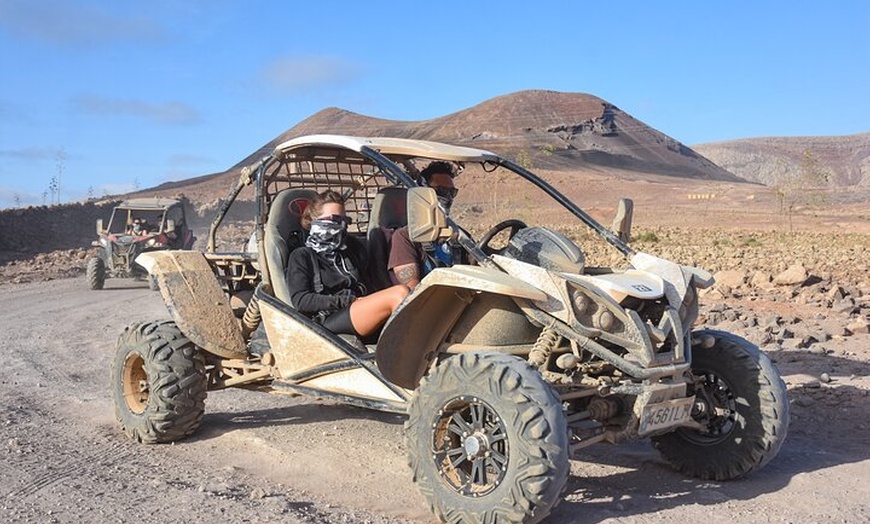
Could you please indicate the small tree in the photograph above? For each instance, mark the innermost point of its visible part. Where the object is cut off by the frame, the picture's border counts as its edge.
(60, 163)
(802, 186)
(524, 159)
(53, 189)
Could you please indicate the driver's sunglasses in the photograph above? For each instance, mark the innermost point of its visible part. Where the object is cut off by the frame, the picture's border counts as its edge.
(337, 219)
(446, 192)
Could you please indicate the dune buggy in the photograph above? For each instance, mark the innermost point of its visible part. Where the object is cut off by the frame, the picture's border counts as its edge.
(505, 366)
(137, 226)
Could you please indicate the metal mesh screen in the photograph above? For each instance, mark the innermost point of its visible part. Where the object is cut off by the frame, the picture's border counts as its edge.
(351, 175)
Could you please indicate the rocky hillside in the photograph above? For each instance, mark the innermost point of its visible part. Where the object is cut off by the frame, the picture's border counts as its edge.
(844, 159)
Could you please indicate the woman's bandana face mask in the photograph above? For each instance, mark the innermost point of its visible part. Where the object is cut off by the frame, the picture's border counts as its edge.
(327, 234)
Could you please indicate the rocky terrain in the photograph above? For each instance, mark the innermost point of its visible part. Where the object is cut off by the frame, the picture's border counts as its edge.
(803, 297)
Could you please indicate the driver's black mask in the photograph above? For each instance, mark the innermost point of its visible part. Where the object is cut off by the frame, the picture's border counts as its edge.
(446, 196)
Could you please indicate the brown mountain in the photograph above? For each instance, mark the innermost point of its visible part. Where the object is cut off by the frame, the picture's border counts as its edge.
(547, 129)
(845, 159)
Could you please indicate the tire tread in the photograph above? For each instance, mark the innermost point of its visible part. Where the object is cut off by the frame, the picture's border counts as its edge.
(541, 471)
(177, 383)
(766, 430)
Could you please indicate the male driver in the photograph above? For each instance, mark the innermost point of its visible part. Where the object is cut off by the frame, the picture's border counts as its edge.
(411, 261)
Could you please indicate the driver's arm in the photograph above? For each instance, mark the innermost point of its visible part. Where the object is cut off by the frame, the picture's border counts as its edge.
(408, 274)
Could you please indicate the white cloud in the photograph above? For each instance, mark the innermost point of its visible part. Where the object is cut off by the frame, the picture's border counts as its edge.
(307, 73)
(33, 153)
(73, 23)
(165, 113)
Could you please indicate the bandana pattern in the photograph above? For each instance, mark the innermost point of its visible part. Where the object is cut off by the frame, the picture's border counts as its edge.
(326, 237)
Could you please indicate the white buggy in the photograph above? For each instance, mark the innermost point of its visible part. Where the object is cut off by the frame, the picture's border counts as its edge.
(505, 366)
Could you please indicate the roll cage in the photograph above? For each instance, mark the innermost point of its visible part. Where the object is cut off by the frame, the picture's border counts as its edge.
(360, 167)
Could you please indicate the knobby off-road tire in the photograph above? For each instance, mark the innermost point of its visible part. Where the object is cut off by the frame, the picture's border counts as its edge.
(158, 383)
(152, 283)
(744, 387)
(487, 441)
(96, 273)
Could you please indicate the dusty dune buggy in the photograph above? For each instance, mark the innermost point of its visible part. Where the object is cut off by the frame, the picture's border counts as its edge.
(137, 226)
(505, 366)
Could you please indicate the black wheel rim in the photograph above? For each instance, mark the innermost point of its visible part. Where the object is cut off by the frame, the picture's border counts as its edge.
(715, 408)
(470, 446)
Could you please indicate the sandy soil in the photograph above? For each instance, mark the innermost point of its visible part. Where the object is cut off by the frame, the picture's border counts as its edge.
(272, 458)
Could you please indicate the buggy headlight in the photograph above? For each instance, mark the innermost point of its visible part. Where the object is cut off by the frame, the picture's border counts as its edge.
(153, 242)
(583, 305)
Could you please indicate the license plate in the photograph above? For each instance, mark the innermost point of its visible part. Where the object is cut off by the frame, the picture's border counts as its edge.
(666, 414)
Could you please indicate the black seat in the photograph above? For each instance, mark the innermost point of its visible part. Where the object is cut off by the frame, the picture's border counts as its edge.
(389, 212)
(284, 233)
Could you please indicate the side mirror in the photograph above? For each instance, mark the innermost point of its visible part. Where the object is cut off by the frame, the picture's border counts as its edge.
(426, 221)
(622, 222)
(99, 226)
(170, 225)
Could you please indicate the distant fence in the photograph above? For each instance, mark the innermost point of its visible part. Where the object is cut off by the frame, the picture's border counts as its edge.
(702, 196)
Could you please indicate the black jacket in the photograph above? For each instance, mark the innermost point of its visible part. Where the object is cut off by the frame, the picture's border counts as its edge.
(341, 279)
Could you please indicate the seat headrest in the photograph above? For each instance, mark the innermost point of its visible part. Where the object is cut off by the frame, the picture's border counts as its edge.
(283, 232)
(285, 214)
(390, 208)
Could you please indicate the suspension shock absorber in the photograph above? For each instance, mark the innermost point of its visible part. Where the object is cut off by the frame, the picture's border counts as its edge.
(252, 318)
(547, 341)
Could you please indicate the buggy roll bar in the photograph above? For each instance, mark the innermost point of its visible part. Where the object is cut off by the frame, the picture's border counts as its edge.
(396, 175)
(609, 236)
(245, 179)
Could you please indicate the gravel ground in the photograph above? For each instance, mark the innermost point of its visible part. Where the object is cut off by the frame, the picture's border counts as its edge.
(273, 458)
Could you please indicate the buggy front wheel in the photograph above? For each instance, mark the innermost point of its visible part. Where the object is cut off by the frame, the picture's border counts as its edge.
(96, 273)
(487, 440)
(741, 407)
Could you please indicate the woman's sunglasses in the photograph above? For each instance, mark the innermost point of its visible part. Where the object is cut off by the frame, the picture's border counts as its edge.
(337, 219)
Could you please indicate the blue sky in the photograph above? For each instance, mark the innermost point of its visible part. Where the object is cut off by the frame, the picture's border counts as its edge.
(115, 95)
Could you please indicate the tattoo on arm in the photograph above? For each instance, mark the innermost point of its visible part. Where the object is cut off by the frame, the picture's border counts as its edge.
(407, 273)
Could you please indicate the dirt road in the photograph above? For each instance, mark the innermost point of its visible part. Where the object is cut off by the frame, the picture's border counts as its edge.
(271, 458)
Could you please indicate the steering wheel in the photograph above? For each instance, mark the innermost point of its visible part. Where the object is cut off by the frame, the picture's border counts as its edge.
(513, 224)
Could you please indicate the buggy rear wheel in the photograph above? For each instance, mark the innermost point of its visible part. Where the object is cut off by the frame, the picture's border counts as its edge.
(487, 440)
(96, 273)
(158, 383)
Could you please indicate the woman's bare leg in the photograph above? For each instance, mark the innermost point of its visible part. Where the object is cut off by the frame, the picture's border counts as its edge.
(368, 313)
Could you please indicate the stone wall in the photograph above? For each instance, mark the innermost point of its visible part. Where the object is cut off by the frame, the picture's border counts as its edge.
(40, 229)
